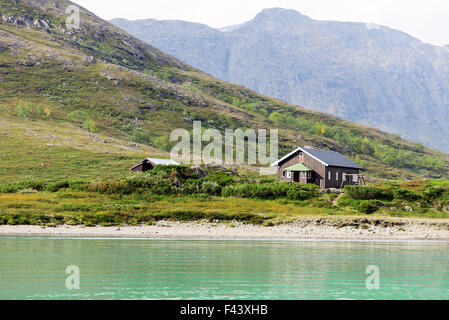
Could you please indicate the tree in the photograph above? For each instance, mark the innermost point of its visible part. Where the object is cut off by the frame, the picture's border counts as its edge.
(163, 143)
(90, 125)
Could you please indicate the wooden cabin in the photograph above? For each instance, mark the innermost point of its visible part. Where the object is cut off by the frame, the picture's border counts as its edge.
(326, 169)
(149, 164)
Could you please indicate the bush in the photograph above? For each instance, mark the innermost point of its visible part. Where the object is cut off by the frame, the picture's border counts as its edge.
(17, 186)
(163, 143)
(141, 137)
(368, 193)
(211, 188)
(111, 187)
(222, 178)
(404, 194)
(55, 187)
(367, 206)
(298, 194)
(434, 192)
(90, 125)
(190, 188)
(271, 190)
(78, 116)
(30, 110)
(267, 180)
(77, 185)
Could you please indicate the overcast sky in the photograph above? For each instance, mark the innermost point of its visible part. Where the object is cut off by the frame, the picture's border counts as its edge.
(427, 20)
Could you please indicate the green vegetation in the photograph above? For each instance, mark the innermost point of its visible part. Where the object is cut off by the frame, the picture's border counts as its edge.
(32, 111)
(272, 190)
(177, 193)
(425, 198)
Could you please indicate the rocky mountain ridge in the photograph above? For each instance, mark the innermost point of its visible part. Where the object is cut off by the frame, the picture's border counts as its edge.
(361, 72)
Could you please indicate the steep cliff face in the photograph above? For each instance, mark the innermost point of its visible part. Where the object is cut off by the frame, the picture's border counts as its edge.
(361, 72)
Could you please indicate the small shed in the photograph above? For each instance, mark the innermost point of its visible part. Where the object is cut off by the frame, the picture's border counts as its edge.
(149, 164)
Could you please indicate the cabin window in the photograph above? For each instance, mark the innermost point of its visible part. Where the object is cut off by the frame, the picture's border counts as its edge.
(289, 175)
(284, 173)
(329, 175)
(336, 175)
(344, 176)
(356, 178)
(309, 175)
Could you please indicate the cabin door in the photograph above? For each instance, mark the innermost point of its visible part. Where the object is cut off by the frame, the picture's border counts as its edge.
(296, 176)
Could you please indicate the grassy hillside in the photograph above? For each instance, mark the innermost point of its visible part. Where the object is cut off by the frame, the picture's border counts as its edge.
(64, 93)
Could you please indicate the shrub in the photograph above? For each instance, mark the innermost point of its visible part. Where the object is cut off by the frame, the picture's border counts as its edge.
(17, 186)
(367, 206)
(78, 116)
(222, 178)
(271, 190)
(405, 194)
(30, 110)
(433, 193)
(298, 194)
(56, 186)
(77, 185)
(163, 143)
(111, 187)
(90, 125)
(189, 188)
(141, 137)
(211, 188)
(368, 193)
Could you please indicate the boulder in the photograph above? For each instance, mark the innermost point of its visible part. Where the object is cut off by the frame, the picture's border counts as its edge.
(199, 171)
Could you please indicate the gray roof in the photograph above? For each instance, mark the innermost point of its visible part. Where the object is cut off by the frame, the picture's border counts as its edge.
(162, 162)
(156, 162)
(328, 158)
(331, 158)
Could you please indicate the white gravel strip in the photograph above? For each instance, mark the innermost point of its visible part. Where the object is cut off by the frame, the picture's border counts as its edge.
(320, 229)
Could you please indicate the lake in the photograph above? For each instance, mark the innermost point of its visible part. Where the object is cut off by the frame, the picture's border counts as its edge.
(35, 268)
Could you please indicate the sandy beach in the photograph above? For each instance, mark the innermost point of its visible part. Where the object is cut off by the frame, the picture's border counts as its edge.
(320, 228)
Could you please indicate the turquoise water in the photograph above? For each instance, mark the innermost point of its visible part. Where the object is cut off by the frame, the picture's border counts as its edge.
(34, 268)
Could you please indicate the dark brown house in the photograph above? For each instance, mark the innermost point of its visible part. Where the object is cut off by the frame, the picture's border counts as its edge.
(149, 164)
(327, 169)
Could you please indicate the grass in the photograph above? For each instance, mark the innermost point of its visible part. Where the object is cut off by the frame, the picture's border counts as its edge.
(84, 208)
(41, 151)
(145, 199)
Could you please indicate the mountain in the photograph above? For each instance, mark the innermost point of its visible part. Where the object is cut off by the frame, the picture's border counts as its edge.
(89, 102)
(361, 72)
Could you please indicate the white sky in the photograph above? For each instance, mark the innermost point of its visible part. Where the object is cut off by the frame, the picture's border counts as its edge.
(427, 20)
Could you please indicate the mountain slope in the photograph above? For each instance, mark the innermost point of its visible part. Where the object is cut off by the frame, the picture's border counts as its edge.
(361, 72)
(59, 88)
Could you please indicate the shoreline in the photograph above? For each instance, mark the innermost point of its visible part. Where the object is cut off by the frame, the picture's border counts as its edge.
(327, 229)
